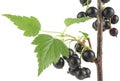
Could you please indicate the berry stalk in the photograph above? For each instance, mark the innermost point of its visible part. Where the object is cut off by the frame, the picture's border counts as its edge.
(99, 42)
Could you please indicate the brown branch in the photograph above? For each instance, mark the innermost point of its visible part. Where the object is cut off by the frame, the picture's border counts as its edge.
(99, 43)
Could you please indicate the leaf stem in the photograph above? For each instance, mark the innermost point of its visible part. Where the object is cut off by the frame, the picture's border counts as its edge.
(64, 30)
(63, 35)
(74, 38)
(51, 31)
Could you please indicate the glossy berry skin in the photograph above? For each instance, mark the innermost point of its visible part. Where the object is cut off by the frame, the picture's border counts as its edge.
(72, 71)
(106, 24)
(114, 19)
(113, 32)
(84, 2)
(94, 25)
(59, 64)
(80, 74)
(88, 56)
(88, 72)
(108, 12)
(71, 52)
(72, 56)
(81, 14)
(74, 62)
(78, 47)
(92, 12)
(75, 56)
(105, 1)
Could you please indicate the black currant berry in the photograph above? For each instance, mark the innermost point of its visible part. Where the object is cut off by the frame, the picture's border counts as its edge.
(108, 12)
(81, 14)
(72, 71)
(92, 12)
(105, 1)
(59, 64)
(71, 52)
(74, 62)
(65, 57)
(80, 74)
(75, 55)
(78, 47)
(94, 25)
(113, 32)
(106, 24)
(88, 72)
(88, 56)
(84, 2)
(114, 19)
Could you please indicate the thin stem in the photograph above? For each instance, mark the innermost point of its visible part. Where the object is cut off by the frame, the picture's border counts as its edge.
(64, 30)
(51, 31)
(82, 52)
(89, 42)
(110, 23)
(63, 35)
(74, 38)
(87, 5)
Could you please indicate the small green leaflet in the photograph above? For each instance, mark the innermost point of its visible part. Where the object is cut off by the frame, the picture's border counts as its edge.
(30, 26)
(84, 34)
(70, 21)
(48, 50)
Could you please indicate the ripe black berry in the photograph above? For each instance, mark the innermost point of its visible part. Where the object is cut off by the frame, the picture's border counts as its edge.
(74, 62)
(114, 19)
(88, 56)
(106, 24)
(59, 64)
(94, 25)
(80, 74)
(78, 47)
(92, 12)
(72, 71)
(113, 32)
(108, 12)
(105, 1)
(84, 2)
(88, 72)
(75, 55)
(71, 52)
(81, 14)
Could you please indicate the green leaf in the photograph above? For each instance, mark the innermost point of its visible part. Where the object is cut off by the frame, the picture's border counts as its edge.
(30, 26)
(48, 50)
(70, 21)
(84, 34)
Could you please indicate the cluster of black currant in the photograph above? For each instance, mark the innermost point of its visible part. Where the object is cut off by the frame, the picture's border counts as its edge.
(109, 16)
(74, 61)
(81, 50)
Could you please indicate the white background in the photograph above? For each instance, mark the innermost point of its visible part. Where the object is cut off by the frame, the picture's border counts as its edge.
(18, 61)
